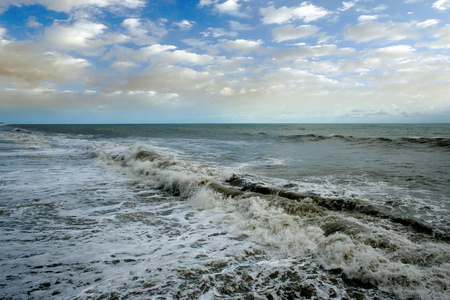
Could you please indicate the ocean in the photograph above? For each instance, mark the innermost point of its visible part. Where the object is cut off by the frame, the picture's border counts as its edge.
(225, 211)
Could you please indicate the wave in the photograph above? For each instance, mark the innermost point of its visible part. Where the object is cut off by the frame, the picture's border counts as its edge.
(401, 141)
(363, 242)
(340, 204)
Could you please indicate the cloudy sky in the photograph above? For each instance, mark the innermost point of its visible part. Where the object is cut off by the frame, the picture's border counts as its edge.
(197, 61)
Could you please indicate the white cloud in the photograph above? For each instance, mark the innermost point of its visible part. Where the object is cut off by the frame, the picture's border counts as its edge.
(396, 52)
(218, 32)
(242, 46)
(427, 23)
(289, 32)
(134, 27)
(156, 54)
(185, 24)
(372, 10)
(206, 2)
(2, 32)
(78, 36)
(235, 25)
(123, 66)
(227, 91)
(32, 23)
(156, 50)
(441, 4)
(305, 11)
(144, 31)
(347, 5)
(365, 18)
(389, 31)
(230, 7)
(442, 36)
(184, 57)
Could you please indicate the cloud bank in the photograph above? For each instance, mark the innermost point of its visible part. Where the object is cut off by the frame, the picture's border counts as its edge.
(224, 61)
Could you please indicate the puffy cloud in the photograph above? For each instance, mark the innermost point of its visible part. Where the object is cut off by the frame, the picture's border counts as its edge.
(156, 49)
(78, 36)
(305, 11)
(441, 4)
(388, 31)
(396, 52)
(2, 33)
(289, 32)
(25, 65)
(242, 46)
(185, 24)
(230, 7)
(347, 5)
(227, 91)
(218, 32)
(442, 36)
(32, 23)
(123, 66)
(144, 31)
(365, 18)
(185, 57)
(134, 26)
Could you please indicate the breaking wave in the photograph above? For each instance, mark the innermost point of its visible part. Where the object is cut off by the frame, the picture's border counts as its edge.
(351, 237)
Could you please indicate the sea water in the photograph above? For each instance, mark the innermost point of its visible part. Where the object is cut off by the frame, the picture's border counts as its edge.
(255, 211)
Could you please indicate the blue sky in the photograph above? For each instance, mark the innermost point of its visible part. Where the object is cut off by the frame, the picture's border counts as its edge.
(208, 61)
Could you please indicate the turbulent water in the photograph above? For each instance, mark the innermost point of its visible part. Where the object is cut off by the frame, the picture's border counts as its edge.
(225, 211)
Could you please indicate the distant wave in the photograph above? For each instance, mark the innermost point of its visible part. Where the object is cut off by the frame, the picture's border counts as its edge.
(402, 141)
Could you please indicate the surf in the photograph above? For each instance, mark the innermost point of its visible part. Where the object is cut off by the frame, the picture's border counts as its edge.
(397, 254)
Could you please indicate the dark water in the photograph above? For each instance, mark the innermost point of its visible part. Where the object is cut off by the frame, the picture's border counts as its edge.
(225, 211)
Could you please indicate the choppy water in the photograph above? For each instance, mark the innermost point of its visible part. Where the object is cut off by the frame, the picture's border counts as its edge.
(225, 211)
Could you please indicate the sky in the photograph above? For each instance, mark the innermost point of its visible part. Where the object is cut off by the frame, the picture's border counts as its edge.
(224, 61)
